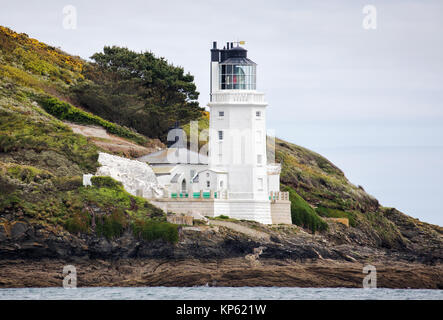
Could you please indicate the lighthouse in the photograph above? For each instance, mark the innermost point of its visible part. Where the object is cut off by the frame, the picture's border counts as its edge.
(237, 136)
(235, 178)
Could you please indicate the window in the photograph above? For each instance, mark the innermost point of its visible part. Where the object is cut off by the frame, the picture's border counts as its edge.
(259, 159)
(220, 135)
(221, 113)
(208, 184)
(234, 76)
(221, 184)
(258, 114)
(260, 184)
(207, 174)
(192, 173)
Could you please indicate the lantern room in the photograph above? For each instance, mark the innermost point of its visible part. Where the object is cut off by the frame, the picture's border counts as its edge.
(235, 70)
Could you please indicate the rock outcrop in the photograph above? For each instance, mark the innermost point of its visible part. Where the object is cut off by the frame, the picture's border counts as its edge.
(137, 177)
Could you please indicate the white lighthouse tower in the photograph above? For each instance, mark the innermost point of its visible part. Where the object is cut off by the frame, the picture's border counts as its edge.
(235, 179)
(237, 137)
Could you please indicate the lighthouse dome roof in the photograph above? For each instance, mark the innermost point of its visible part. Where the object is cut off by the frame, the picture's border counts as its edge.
(239, 61)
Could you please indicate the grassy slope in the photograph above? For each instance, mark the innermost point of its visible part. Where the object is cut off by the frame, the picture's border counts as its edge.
(42, 160)
(44, 74)
(326, 189)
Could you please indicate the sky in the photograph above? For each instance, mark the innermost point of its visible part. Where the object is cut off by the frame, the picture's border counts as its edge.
(370, 100)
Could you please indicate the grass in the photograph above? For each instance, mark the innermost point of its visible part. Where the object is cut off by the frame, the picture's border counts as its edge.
(20, 132)
(65, 111)
(26, 173)
(223, 218)
(303, 214)
(152, 230)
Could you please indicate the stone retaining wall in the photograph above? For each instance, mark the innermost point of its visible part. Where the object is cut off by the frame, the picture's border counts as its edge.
(281, 212)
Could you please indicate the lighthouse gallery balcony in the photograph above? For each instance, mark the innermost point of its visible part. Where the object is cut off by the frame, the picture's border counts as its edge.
(238, 97)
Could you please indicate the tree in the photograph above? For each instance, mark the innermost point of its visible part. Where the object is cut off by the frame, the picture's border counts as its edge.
(138, 90)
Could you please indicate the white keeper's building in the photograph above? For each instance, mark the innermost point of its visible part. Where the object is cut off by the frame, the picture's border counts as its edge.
(231, 176)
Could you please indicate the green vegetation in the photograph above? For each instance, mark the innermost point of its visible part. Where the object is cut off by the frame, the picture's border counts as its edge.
(137, 90)
(302, 214)
(318, 181)
(223, 218)
(65, 111)
(151, 230)
(21, 132)
(104, 208)
(42, 160)
(26, 173)
(29, 62)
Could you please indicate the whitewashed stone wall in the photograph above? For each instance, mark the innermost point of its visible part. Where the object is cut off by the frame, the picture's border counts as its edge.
(261, 211)
(137, 177)
(198, 208)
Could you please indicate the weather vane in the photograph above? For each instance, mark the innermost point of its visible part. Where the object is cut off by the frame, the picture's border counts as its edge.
(239, 42)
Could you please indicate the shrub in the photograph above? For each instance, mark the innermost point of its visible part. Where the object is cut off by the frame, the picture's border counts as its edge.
(111, 226)
(151, 230)
(27, 174)
(106, 182)
(80, 222)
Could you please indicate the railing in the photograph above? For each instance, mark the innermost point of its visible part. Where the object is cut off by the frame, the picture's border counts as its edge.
(278, 195)
(200, 195)
(238, 97)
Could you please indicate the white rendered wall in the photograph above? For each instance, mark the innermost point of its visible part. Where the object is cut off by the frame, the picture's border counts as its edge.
(256, 210)
(244, 138)
(274, 182)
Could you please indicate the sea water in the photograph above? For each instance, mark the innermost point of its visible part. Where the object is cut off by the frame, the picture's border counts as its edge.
(219, 293)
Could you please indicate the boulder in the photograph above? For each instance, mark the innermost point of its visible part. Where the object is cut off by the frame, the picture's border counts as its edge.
(18, 230)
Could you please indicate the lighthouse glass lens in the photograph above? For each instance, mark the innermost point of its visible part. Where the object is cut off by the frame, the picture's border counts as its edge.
(237, 77)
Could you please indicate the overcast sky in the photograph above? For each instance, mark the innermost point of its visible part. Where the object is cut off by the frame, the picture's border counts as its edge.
(329, 82)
